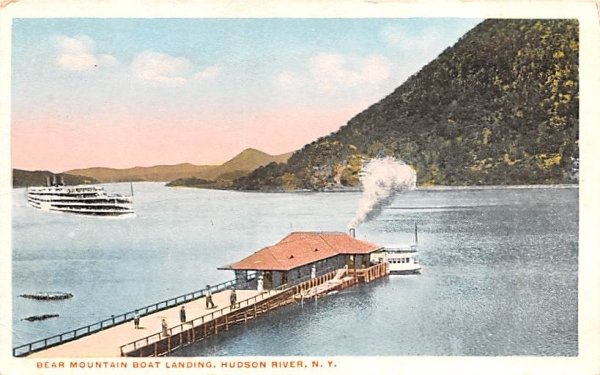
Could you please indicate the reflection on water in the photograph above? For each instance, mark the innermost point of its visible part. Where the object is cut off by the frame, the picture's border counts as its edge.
(499, 278)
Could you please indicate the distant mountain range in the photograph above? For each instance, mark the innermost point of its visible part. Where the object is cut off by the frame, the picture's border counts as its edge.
(499, 107)
(23, 178)
(184, 174)
(240, 165)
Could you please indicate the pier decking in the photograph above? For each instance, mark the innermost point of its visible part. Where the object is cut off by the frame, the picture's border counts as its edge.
(107, 343)
(149, 341)
(272, 277)
(198, 329)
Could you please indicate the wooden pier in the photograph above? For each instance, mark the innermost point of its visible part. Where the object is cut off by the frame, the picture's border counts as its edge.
(201, 328)
(149, 340)
(108, 342)
(301, 266)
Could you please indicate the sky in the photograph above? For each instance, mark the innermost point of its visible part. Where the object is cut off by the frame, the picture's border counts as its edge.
(89, 92)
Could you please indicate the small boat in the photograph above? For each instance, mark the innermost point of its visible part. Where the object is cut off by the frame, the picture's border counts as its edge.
(87, 200)
(402, 260)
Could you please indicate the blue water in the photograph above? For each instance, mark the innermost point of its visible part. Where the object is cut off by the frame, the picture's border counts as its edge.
(499, 278)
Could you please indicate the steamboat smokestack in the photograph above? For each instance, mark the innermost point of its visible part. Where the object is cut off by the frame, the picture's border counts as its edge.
(352, 232)
(416, 235)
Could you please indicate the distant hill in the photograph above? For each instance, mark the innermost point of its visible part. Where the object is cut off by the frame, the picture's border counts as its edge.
(243, 163)
(498, 107)
(22, 178)
(223, 176)
(155, 173)
(249, 160)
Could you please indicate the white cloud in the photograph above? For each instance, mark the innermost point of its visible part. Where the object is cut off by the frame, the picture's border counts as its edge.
(333, 71)
(77, 54)
(211, 72)
(159, 68)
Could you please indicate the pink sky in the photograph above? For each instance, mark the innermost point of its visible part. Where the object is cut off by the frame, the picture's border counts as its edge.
(110, 93)
(60, 146)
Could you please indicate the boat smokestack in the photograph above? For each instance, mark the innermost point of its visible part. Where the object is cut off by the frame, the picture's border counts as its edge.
(352, 232)
(416, 235)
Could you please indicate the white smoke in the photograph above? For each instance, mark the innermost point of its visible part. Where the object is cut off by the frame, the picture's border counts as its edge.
(381, 180)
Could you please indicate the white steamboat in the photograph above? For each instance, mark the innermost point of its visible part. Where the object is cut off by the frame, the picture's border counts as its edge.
(89, 200)
(402, 259)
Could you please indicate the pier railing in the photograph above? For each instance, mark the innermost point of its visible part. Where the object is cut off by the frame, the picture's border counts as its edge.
(26, 349)
(192, 324)
(158, 344)
(183, 334)
(370, 273)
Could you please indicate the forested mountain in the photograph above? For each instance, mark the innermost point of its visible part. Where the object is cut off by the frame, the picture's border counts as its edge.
(22, 178)
(498, 107)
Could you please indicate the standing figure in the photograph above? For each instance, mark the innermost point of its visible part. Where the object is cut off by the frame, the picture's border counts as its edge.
(209, 300)
(260, 284)
(313, 272)
(136, 320)
(182, 314)
(165, 327)
(233, 299)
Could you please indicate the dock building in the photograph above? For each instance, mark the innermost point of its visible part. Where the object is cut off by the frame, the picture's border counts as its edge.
(300, 256)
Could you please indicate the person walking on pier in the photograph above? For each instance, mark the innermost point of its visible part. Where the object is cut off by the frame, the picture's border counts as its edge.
(165, 328)
(136, 320)
(209, 300)
(182, 314)
(233, 299)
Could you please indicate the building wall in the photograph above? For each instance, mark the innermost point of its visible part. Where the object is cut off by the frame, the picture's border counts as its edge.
(323, 266)
(274, 279)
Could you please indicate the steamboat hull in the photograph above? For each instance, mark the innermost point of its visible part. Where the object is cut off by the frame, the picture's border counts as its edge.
(80, 200)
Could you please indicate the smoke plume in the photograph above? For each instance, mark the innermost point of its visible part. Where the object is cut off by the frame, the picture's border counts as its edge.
(381, 180)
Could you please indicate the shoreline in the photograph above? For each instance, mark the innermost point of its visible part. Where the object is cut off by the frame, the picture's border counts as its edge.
(358, 189)
(497, 187)
(426, 188)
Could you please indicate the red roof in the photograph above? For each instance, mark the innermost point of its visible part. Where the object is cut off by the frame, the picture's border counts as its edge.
(301, 248)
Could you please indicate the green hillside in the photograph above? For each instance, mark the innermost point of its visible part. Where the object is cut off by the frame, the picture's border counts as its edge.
(498, 107)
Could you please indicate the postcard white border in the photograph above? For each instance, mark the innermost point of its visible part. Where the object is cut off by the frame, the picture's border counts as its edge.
(588, 360)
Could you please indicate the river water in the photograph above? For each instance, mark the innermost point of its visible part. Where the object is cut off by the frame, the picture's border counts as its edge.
(499, 269)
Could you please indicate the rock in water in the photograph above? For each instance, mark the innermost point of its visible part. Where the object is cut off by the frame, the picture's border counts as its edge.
(34, 318)
(48, 296)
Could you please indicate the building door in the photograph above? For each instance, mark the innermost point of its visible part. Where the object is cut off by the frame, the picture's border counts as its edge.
(268, 280)
(350, 261)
